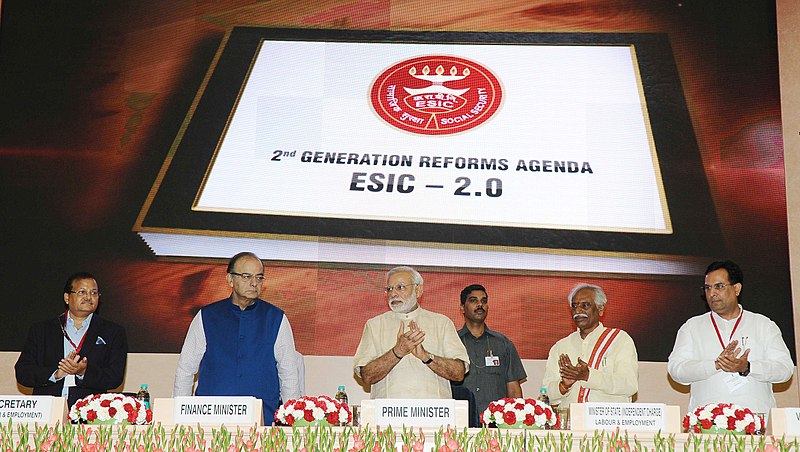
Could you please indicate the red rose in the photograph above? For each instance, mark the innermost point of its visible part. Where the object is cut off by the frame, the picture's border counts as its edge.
(308, 415)
(686, 422)
(519, 406)
(750, 428)
(112, 411)
(706, 423)
(91, 415)
(509, 417)
(538, 409)
(300, 405)
(529, 420)
(105, 403)
(149, 417)
(731, 423)
(333, 418)
(289, 419)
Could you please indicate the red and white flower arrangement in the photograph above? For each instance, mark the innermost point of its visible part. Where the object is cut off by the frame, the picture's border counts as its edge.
(310, 409)
(723, 416)
(110, 409)
(520, 413)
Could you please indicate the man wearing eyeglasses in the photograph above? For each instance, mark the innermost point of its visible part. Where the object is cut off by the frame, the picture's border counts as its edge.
(409, 352)
(242, 345)
(595, 363)
(729, 355)
(78, 353)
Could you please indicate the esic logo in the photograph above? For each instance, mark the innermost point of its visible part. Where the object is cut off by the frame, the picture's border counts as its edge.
(436, 95)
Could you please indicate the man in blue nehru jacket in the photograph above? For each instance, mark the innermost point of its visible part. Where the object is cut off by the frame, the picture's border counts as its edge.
(240, 346)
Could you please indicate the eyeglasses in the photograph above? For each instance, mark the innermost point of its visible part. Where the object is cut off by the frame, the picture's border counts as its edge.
(717, 286)
(248, 277)
(398, 288)
(84, 292)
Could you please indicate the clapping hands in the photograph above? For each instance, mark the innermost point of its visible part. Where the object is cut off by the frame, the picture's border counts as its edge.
(729, 361)
(73, 364)
(410, 341)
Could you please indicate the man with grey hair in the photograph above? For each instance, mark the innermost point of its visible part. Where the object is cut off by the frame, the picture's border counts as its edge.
(241, 345)
(409, 352)
(595, 363)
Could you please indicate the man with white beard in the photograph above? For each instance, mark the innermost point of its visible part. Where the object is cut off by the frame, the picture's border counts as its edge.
(594, 363)
(409, 352)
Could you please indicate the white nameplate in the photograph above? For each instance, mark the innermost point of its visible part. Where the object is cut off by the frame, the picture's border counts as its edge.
(648, 417)
(25, 409)
(415, 412)
(215, 410)
(792, 421)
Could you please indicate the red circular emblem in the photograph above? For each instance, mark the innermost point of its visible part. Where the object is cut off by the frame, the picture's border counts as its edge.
(436, 95)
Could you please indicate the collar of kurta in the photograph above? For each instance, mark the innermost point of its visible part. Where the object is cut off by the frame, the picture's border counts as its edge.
(594, 334)
(407, 317)
(720, 319)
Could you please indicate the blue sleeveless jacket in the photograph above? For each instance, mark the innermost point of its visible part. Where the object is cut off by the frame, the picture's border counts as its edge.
(240, 353)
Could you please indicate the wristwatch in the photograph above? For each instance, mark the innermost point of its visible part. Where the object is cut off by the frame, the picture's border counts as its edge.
(430, 359)
(746, 372)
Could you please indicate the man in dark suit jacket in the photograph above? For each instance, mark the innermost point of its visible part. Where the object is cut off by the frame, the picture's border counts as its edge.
(78, 353)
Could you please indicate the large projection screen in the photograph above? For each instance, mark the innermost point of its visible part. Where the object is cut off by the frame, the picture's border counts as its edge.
(551, 151)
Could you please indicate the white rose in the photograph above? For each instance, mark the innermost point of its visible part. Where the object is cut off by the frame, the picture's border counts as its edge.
(721, 422)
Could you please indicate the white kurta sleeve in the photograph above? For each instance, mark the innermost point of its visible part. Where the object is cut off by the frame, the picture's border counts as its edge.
(286, 357)
(194, 347)
(683, 365)
(776, 365)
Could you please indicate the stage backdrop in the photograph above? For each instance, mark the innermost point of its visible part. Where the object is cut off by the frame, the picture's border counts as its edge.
(621, 143)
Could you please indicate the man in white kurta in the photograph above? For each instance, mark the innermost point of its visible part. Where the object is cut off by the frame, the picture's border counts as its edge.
(595, 363)
(729, 355)
(409, 352)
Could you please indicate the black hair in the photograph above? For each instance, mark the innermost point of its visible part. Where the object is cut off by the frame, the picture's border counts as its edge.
(735, 275)
(470, 288)
(77, 277)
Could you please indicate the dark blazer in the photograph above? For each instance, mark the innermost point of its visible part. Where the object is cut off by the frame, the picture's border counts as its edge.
(44, 348)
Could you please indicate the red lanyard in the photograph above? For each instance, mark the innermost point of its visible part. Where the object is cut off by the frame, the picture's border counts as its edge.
(719, 336)
(66, 336)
